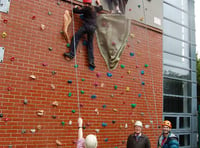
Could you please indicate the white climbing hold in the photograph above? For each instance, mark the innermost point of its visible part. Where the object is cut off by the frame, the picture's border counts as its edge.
(126, 125)
(42, 26)
(97, 130)
(53, 87)
(39, 127)
(33, 77)
(97, 111)
(151, 121)
(40, 112)
(58, 143)
(70, 122)
(147, 126)
(55, 103)
(33, 130)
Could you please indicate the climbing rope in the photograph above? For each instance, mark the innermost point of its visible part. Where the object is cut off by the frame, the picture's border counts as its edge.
(76, 68)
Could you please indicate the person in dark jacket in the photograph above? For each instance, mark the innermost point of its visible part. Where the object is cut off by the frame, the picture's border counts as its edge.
(89, 26)
(137, 139)
(167, 139)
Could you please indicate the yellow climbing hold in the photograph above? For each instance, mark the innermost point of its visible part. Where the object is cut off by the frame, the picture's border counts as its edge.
(4, 35)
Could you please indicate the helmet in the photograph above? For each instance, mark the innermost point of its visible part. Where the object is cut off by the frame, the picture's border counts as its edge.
(167, 123)
(138, 123)
(87, 1)
(91, 141)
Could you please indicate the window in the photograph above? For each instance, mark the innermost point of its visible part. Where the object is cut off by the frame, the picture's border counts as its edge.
(177, 87)
(177, 104)
(182, 4)
(184, 140)
(172, 120)
(176, 61)
(176, 72)
(184, 122)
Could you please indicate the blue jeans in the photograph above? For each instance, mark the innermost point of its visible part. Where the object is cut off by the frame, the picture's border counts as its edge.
(85, 29)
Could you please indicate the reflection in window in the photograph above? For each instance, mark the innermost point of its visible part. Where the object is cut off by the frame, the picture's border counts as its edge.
(182, 4)
(184, 122)
(175, 30)
(184, 140)
(177, 87)
(177, 105)
(176, 72)
(172, 120)
(176, 61)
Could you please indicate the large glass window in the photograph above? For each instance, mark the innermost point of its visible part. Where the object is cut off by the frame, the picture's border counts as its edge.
(176, 72)
(182, 4)
(173, 120)
(175, 46)
(184, 140)
(184, 122)
(177, 87)
(176, 61)
(175, 30)
(177, 105)
(180, 17)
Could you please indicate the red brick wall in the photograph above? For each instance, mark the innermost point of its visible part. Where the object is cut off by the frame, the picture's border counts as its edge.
(29, 47)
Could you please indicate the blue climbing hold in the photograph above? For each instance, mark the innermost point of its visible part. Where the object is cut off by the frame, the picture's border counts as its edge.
(142, 72)
(93, 96)
(109, 74)
(131, 53)
(142, 83)
(104, 124)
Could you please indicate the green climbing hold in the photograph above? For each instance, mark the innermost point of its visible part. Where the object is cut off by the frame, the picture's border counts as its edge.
(69, 81)
(63, 123)
(70, 94)
(116, 147)
(82, 79)
(73, 111)
(50, 48)
(139, 95)
(104, 106)
(143, 83)
(131, 54)
(49, 13)
(58, 3)
(25, 101)
(68, 45)
(1, 115)
(23, 131)
(53, 72)
(61, 32)
(113, 121)
(76, 66)
(139, 6)
(133, 105)
(84, 127)
(82, 92)
(146, 65)
(122, 66)
(106, 139)
(115, 86)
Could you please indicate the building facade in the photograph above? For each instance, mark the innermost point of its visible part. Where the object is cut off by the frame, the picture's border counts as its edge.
(179, 70)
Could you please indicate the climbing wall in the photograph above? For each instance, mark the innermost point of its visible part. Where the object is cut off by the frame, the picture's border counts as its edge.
(39, 89)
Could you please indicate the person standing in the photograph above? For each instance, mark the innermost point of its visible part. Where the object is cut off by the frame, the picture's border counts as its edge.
(89, 26)
(167, 139)
(138, 139)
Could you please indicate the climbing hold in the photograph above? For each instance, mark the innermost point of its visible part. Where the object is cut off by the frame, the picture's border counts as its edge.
(84, 127)
(50, 48)
(146, 65)
(132, 35)
(132, 121)
(44, 64)
(9, 88)
(142, 72)
(32, 77)
(1, 115)
(139, 95)
(133, 105)
(138, 41)
(112, 95)
(129, 9)
(53, 72)
(113, 43)
(143, 83)
(12, 58)
(25, 101)
(139, 6)
(33, 130)
(68, 45)
(49, 13)
(70, 94)
(82, 92)
(129, 72)
(115, 87)
(4, 35)
(63, 123)
(23, 131)
(115, 110)
(106, 139)
(142, 114)
(123, 141)
(58, 143)
(33, 17)
(54, 116)
(95, 84)
(53, 86)
(141, 19)
(40, 112)
(97, 111)
(58, 3)
(69, 81)
(81, 16)
(73, 111)
(102, 84)
(131, 53)
(127, 88)
(82, 79)
(55, 103)
(104, 124)
(5, 21)
(151, 121)
(98, 75)
(39, 127)
(137, 66)
(147, 126)
(70, 122)
(93, 96)
(121, 126)
(122, 66)
(126, 125)
(42, 27)
(76, 66)
(104, 106)
(97, 130)
(113, 121)
(85, 43)
(109, 74)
